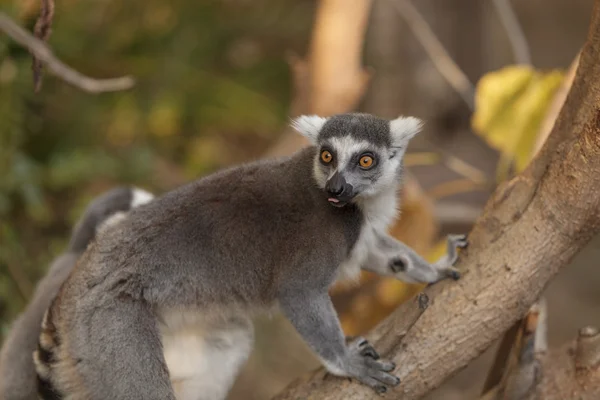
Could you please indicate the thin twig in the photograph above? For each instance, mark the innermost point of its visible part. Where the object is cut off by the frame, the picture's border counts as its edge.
(422, 158)
(498, 368)
(42, 30)
(513, 29)
(453, 163)
(436, 51)
(465, 169)
(451, 213)
(57, 67)
(452, 188)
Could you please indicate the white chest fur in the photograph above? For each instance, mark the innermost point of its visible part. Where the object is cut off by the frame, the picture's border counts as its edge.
(203, 353)
(378, 212)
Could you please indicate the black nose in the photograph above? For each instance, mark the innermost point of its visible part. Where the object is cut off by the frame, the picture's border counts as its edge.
(335, 185)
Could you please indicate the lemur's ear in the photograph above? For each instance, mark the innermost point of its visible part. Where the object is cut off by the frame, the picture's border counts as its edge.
(309, 126)
(403, 129)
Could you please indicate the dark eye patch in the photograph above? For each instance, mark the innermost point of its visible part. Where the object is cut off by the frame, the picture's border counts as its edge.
(354, 160)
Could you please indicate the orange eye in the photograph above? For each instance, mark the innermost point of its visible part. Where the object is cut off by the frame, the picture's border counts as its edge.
(326, 157)
(366, 161)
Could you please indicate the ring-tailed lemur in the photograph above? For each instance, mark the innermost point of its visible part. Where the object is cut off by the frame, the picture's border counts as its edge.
(160, 305)
(17, 371)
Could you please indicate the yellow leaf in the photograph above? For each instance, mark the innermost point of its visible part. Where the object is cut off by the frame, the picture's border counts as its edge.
(509, 106)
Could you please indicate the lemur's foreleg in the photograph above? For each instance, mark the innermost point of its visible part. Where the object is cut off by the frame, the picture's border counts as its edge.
(391, 257)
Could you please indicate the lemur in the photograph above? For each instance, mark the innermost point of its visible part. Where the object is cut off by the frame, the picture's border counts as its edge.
(160, 305)
(17, 371)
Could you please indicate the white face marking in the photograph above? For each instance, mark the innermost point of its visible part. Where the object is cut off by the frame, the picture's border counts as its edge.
(140, 197)
(344, 147)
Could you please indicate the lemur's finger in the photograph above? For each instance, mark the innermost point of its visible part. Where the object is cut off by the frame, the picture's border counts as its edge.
(459, 240)
(384, 377)
(463, 244)
(382, 365)
(374, 384)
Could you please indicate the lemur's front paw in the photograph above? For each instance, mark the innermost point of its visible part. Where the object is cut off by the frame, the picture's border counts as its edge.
(455, 242)
(365, 365)
(446, 268)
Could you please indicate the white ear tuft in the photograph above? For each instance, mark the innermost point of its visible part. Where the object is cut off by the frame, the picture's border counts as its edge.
(309, 125)
(403, 129)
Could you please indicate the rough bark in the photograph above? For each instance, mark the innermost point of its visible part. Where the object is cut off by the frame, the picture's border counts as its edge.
(530, 228)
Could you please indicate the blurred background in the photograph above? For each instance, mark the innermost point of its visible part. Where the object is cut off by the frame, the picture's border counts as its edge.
(216, 83)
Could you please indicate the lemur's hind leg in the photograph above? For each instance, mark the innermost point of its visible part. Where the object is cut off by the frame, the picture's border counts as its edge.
(114, 354)
(204, 360)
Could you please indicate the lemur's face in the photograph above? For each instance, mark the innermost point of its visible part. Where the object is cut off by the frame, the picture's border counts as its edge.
(358, 155)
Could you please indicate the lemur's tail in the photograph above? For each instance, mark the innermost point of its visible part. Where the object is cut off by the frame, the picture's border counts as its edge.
(103, 210)
(108, 205)
(45, 357)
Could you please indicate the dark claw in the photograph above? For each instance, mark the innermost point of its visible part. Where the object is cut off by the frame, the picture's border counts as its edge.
(363, 342)
(397, 381)
(397, 265)
(380, 389)
(454, 274)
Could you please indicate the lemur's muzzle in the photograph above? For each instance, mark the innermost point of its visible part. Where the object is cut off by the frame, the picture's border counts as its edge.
(340, 192)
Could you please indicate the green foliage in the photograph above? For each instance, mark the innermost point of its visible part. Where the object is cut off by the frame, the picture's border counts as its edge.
(212, 88)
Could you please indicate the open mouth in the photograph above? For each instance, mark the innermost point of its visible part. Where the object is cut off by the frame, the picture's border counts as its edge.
(336, 202)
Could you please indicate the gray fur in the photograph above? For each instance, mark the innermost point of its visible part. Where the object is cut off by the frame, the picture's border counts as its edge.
(179, 278)
(17, 371)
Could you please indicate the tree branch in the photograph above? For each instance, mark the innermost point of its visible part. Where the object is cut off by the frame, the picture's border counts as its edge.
(513, 29)
(531, 227)
(570, 372)
(42, 30)
(436, 51)
(57, 67)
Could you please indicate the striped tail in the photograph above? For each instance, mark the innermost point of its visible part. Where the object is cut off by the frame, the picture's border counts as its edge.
(45, 357)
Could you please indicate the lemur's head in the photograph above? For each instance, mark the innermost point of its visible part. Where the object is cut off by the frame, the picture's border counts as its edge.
(358, 155)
